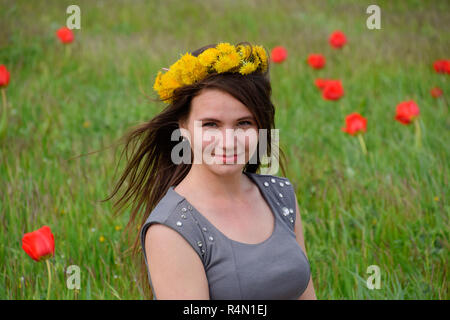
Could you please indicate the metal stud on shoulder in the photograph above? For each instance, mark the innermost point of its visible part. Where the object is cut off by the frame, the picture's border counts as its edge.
(273, 180)
(266, 183)
(179, 223)
(285, 211)
(281, 184)
(183, 209)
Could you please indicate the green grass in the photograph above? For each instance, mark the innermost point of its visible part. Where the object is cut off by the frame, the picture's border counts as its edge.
(388, 209)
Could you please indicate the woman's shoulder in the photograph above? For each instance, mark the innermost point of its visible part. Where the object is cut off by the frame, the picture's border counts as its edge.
(268, 179)
(164, 207)
(175, 212)
(281, 191)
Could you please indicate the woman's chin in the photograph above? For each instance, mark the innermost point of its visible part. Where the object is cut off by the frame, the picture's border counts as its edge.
(226, 168)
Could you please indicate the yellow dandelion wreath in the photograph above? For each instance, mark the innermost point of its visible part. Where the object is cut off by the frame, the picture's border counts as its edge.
(225, 57)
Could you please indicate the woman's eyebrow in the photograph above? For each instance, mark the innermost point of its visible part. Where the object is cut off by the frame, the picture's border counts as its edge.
(217, 120)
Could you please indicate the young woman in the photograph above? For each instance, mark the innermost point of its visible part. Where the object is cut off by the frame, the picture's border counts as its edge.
(212, 227)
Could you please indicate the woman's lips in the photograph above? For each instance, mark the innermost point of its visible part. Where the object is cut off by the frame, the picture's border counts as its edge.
(225, 158)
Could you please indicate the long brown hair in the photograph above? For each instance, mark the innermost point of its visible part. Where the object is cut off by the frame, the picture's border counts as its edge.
(149, 171)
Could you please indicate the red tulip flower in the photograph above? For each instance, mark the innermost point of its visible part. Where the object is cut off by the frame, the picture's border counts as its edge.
(4, 76)
(316, 61)
(442, 66)
(407, 112)
(356, 125)
(337, 39)
(279, 54)
(40, 245)
(333, 90)
(65, 35)
(436, 92)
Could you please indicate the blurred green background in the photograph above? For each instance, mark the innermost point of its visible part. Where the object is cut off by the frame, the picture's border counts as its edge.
(389, 208)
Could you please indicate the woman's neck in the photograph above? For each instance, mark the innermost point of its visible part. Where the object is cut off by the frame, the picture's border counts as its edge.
(205, 183)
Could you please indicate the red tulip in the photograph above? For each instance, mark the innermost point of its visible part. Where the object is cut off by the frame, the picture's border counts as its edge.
(337, 39)
(333, 90)
(65, 35)
(355, 123)
(4, 76)
(407, 111)
(442, 66)
(436, 92)
(316, 61)
(321, 83)
(39, 244)
(279, 54)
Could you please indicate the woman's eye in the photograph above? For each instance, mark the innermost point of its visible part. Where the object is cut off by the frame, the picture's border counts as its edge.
(246, 123)
(208, 124)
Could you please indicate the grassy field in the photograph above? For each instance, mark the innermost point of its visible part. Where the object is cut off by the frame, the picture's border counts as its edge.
(389, 208)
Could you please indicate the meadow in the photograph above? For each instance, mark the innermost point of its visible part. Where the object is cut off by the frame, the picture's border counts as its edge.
(68, 106)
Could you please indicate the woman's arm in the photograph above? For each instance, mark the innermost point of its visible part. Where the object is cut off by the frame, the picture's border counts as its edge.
(176, 271)
(309, 293)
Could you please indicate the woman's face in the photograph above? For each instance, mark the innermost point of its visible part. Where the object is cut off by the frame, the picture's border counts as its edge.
(222, 131)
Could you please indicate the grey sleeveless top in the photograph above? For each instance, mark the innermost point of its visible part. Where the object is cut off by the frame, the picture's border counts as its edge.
(275, 269)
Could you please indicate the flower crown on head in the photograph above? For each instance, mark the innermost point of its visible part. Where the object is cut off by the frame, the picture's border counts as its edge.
(223, 58)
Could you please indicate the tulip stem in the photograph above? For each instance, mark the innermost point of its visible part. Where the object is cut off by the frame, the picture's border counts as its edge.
(418, 133)
(4, 99)
(362, 143)
(49, 278)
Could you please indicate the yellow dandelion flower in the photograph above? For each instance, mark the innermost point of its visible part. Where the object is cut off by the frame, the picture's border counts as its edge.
(101, 239)
(227, 62)
(263, 57)
(86, 124)
(208, 57)
(169, 83)
(247, 68)
(256, 60)
(118, 228)
(225, 48)
(244, 51)
(436, 199)
(191, 69)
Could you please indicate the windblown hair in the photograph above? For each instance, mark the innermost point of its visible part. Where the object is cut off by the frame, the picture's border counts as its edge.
(149, 170)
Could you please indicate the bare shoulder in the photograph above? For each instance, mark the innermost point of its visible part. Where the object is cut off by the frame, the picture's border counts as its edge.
(175, 268)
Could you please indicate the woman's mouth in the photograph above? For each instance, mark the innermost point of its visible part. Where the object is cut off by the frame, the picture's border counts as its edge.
(225, 158)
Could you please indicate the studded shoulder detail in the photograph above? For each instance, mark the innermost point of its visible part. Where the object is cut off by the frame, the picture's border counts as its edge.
(282, 191)
(181, 219)
(185, 222)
